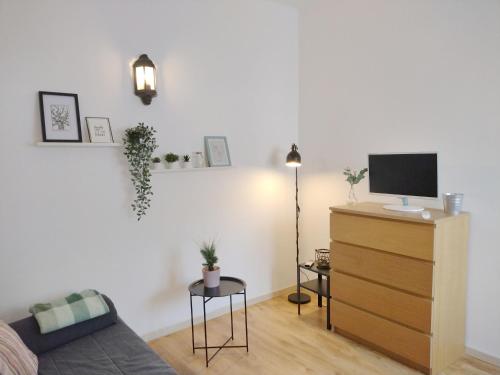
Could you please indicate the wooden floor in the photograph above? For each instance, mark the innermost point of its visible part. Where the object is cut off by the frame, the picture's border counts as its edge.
(282, 343)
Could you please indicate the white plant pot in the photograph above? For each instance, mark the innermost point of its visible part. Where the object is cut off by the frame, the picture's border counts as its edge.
(211, 279)
(187, 165)
(157, 166)
(174, 165)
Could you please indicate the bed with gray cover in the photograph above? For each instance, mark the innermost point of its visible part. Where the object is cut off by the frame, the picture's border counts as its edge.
(101, 346)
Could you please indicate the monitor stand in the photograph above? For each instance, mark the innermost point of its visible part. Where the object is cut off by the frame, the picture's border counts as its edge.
(404, 207)
(401, 208)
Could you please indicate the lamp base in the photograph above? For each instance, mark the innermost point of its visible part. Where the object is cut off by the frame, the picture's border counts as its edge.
(294, 298)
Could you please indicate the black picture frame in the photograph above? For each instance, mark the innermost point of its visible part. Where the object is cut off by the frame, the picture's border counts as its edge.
(45, 136)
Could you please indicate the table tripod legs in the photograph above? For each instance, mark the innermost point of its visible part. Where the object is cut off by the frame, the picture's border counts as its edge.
(231, 307)
(192, 322)
(246, 320)
(220, 347)
(205, 326)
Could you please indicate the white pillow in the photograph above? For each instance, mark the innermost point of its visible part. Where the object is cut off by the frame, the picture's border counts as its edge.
(15, 357)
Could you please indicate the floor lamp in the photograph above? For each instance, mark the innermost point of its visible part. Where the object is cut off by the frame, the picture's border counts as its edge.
(293, 160)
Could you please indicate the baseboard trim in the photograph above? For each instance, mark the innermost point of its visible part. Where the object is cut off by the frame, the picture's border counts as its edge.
(214, 314)
(492, 360)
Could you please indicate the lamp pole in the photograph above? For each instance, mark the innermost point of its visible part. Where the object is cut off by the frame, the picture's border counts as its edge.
(297, 213)
(294, 160)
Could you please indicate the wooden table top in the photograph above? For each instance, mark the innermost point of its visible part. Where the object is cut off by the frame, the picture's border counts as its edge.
(377, 210)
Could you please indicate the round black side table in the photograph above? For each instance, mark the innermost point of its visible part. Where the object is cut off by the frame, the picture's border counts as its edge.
(229, 286)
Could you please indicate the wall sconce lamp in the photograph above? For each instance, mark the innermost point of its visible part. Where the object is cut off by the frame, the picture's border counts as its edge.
(145, 79)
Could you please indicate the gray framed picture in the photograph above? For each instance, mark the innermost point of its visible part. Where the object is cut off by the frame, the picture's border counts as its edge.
(217, 151)
(99, 129)
(60, 117)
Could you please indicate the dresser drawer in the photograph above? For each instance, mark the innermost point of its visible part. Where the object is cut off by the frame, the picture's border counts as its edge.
(405, 342)
(406, 238)
(401, 307)
(403, 273)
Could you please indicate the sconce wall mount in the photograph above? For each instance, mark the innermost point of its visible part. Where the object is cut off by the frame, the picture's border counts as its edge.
(145, 79)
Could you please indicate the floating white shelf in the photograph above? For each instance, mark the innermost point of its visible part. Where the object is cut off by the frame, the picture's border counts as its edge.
(77, 144)
(165, 170)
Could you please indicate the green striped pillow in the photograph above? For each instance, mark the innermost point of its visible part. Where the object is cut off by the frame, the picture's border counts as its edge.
(64, 312)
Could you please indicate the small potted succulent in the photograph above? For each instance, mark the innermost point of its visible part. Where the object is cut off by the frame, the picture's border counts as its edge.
(172, 160)
(211, 272)
(156, 163)
(186, 162)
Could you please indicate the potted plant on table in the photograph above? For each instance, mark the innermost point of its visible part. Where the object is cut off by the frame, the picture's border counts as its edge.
(186, 162)
(156, 163)
(211, 272)
(172, 160)
(354, 178)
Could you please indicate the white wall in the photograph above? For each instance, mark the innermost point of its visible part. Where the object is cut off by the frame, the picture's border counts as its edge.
(225, 67)
(390, 76)
(376, 76)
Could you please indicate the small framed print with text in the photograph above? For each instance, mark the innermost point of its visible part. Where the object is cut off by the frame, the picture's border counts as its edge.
(217, 151)
(99, 129)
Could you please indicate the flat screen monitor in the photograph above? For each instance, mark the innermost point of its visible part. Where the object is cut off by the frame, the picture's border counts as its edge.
(404, 174)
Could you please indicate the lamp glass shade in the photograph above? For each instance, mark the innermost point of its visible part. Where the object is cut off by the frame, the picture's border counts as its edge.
(293, 159)
(145, 78)
(140, 82)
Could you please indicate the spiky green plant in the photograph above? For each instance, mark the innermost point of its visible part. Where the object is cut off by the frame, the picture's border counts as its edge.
(353, 177)
(208, 253)
(186, 158)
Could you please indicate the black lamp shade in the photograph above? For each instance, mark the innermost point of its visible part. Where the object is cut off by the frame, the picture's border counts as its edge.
(145, 79)
(293, 158)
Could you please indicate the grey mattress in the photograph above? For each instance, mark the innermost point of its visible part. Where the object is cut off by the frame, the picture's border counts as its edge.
(113, 350)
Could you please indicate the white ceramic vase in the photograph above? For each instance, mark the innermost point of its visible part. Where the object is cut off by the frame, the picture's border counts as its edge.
(157, 166)
(187, 165)
(211, 279)
(198, 160)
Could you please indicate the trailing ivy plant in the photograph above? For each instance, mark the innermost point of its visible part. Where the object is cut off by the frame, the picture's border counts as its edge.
(140, 143)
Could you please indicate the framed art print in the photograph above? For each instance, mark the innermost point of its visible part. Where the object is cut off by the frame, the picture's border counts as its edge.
(217, 151)
(60, 117)
(99, 129)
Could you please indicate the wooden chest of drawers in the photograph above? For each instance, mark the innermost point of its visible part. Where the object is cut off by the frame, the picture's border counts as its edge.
(398, 282)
